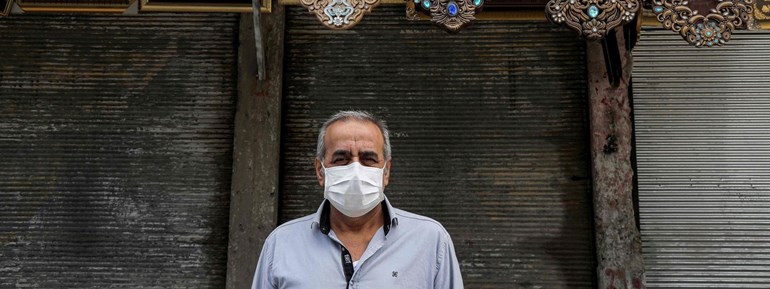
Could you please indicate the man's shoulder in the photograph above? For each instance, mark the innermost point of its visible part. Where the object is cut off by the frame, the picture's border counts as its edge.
(419, 222)
(293, 227)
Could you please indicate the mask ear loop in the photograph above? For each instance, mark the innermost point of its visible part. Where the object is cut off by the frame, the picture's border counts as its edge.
(383, 169)
(323, 171)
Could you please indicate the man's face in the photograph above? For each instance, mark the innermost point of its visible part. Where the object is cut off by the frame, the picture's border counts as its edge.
(349, 141)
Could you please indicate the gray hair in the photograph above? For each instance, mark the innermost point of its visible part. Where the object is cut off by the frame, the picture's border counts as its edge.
(357, 115)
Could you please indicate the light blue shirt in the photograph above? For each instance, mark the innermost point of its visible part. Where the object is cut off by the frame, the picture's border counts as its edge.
(416, 252)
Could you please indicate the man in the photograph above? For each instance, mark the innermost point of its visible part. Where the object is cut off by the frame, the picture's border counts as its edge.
(356, 239)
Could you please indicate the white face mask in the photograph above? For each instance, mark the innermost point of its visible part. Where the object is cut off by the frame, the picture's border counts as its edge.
(354, 189)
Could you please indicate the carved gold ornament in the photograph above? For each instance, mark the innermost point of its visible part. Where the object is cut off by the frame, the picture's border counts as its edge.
(451, 15)
(593, 19)
(713, 29)
(762, 10)
(340, 14)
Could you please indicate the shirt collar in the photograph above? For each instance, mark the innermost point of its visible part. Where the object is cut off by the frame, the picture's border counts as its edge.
(321, 218)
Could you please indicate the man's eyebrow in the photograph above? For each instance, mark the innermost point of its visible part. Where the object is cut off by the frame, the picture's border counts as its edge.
(341, 153)
(371, 154)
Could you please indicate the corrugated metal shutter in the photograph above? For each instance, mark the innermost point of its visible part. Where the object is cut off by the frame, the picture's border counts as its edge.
(115, 150)
(703, 146)
(489, 135)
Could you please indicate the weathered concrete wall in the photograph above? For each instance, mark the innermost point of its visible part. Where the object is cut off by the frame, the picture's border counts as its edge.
(618, 244)
(253, 203)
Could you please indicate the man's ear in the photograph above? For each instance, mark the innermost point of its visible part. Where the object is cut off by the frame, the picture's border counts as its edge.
(386, 174)
(319, 173)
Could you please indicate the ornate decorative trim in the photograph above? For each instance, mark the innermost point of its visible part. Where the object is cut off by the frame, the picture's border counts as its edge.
(761, 10)
(592, 19)
(5, 7)
(339, 14)
(228, 6)
(451, 15)
(411, 12)
(710, 30)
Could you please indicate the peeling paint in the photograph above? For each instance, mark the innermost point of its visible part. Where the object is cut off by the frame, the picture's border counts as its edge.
(618, 243)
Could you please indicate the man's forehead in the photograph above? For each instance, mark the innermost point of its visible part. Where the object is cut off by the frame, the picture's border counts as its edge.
(356, 135)
(365, 151)
(354, 129)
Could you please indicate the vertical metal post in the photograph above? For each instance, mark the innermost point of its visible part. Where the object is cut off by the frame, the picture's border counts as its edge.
(258, 40)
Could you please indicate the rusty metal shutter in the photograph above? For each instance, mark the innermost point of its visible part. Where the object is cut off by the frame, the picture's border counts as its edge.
(488, 132)
(115, 150)
(703, 146)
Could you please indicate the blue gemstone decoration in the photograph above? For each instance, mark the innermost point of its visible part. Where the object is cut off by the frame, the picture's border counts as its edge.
(452, 8)
(426, 4)
(416, 1)
(709, 33)
(658, 9)
(478, 2)
(710, 43)
(593, 11)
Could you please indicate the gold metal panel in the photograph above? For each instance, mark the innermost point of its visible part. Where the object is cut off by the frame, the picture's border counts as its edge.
(213, 6)
(100, 6)
(513, 15)
(5, 7)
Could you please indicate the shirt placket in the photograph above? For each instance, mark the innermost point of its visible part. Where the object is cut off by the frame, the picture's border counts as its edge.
(377, 242)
